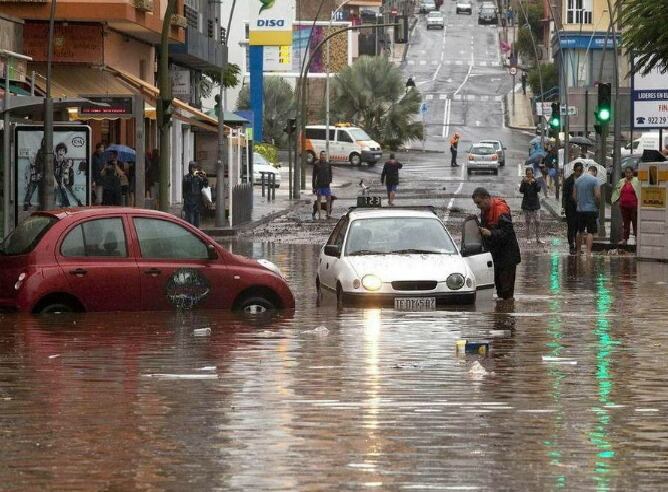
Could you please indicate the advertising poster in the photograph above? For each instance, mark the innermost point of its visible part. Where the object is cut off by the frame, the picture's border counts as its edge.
(650, 99)
(338, 48)
(71, 167)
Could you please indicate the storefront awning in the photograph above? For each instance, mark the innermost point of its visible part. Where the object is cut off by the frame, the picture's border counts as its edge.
(77, 81)
(185, 112)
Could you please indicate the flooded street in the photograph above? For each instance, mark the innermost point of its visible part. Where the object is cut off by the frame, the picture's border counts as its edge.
(571, 395)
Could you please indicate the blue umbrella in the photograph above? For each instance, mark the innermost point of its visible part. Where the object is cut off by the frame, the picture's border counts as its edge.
(536, 157)
(125, 153)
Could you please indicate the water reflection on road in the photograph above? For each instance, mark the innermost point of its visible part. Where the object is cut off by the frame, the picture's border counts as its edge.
(571, 396)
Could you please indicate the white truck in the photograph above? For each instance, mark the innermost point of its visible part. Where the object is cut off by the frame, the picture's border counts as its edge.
(647, 140)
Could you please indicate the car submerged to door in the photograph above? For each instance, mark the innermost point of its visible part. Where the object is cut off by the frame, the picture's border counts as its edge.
(401, 257)
(122, 259)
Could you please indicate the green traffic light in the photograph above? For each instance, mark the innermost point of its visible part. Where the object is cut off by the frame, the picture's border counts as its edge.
(603, 114)
(555, 123)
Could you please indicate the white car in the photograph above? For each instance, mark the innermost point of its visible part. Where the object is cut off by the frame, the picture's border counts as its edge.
(260, 166)
(500, 150)
(435, 19)
(464, 6)
(402, 257)
(427, 6)
(482, 157)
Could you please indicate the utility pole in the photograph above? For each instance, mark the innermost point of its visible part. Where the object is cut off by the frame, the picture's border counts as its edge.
(47, 198)
(164, 107)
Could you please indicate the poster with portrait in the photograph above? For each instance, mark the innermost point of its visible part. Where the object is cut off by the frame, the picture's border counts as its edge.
(71, 167)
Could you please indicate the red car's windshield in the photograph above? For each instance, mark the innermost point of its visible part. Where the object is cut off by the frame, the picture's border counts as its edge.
(27, 235)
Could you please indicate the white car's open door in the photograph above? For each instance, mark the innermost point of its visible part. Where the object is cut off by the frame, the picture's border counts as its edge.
(480, 261)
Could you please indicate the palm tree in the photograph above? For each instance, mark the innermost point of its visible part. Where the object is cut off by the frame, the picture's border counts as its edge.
(279, 100)
(371, 94)
(645, 33)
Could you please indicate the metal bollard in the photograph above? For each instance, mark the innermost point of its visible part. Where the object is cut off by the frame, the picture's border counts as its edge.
(273, 187)
(262, 182)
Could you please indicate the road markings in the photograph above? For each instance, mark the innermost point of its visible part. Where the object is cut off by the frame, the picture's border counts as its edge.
(411, 62)
(477, 123)
(446, 118)
(452, 200)
(443, 96)
(423, 63)
(429, 97)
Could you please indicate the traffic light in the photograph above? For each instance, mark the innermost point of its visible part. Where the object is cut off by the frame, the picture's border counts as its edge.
(603, 110)
(555, 118)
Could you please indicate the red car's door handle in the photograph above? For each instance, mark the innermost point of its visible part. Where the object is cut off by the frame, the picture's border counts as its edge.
(79, 271)
(152, 271)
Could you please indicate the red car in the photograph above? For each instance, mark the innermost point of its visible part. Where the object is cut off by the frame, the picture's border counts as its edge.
(124, 259)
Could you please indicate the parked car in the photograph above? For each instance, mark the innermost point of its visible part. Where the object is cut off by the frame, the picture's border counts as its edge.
(435, 19)
(123, 259)
(402, 257)
(499, 148)
(427, 6)
(347, 143)
(464, 6)
(482, 156)
(488, 14)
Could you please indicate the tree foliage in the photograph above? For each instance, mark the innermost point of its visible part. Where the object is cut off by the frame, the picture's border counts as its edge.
(231, 77)
(550, 77)
(279, 103)
(645, 33)
(372, 94)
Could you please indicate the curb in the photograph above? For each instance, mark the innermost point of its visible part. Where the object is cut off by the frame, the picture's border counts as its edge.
(548, 206)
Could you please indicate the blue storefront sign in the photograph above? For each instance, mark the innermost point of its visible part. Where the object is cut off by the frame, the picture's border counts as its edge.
(592, 41)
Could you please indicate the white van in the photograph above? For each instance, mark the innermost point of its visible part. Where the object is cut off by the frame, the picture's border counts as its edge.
(346, 144)
(648, 140)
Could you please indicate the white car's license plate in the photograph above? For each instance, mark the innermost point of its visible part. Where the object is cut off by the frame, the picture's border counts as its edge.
(415, 303)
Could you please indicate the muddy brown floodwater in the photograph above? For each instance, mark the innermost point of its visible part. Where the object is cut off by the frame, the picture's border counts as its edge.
(571, 396)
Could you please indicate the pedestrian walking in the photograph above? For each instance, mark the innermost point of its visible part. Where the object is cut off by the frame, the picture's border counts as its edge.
(627, 193)
(498, 235)
(587, 195)
(570, 206)
(193, 182)
(530, 189)
(549, 168)
(509, 15)
(110, 182)
(390, 178)
(97, 167)
(454, 143)
(524, 83)
(321, 181)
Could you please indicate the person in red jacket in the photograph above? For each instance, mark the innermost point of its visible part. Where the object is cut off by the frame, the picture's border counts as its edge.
(498, 235)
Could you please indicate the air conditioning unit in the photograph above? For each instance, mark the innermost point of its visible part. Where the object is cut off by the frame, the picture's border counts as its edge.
(144, 5)
(179, 21)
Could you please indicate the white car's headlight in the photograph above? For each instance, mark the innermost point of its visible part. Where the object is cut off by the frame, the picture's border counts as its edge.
(271, 266)
(371, 282)
(455, 281)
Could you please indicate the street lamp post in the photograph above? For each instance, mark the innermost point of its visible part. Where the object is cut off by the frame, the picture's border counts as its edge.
(6, 142)
(331, 19)
(47, 198)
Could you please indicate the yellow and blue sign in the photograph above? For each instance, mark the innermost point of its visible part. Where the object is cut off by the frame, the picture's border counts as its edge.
(272, 26)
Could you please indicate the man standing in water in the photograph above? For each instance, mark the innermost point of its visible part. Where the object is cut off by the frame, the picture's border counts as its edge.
(498, 236)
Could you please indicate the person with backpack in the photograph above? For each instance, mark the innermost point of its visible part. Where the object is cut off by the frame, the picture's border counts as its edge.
(390, 178)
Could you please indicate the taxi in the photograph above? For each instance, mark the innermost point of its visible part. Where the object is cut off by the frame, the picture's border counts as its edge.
(403, 257)
(127, 259)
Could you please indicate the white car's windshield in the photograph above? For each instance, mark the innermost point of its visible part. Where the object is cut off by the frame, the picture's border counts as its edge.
(435, 15)
(398, 235)
(496, 145)
(358, 134)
